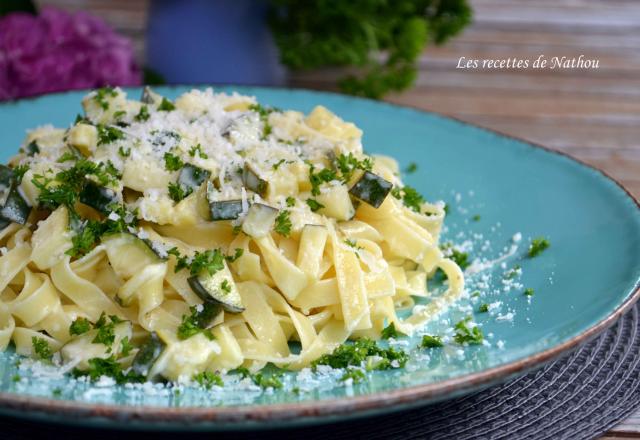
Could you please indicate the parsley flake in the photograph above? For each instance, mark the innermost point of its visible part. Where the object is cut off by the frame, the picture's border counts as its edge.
(390, 331)
(429, 341)
(467, 332)
(79, 326)
(166, 105)
(41, 348)
(283, 223)
(537, 246)
(314, 204)
(172, 162)
(207, 379)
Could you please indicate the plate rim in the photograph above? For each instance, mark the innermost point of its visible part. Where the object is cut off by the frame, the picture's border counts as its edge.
(315, 411)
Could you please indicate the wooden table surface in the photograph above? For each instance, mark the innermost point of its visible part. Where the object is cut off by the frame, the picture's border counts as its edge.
(593, 115)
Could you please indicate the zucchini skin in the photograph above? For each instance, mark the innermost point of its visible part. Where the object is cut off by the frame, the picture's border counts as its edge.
(371, 189)
(253, 182)
(6, 183)
(148, 354)
(32, 149)
(16, 209)
(206, 296)
(98, 197)
(13, 207)
(210, 310)
(191, 177)
(147, 95)
(225, 209)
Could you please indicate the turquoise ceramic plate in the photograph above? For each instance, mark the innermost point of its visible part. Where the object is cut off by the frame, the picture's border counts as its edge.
(583, 282)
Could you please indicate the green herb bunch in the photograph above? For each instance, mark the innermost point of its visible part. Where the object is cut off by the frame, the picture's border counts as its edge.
(381, 38)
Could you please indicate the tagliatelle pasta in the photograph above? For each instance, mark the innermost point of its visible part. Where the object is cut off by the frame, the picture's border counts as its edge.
(206, 234)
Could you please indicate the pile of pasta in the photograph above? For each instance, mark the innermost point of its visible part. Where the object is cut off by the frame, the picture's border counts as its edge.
(338, 268)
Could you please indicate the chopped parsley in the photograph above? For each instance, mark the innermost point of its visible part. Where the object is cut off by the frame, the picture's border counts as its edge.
(411, 198)
(475, 294)
(237, 254)
(64, 188)
(537, 246)
(16, 378)
(211, 261)
(208, 379)
(263, 381)
(361, 351)
(314, 204)
(57, 392)
(390, 331)
(172, 162)
(124, 153)
(102, 96)
(108, 134)
(528, 291)
(276, 165)
(69, 156)
(225, 286)
(484, 308)
(290, 201)
(89, 232)
(41, 348)
(467, 332)
(347, 164)
(476, 218)
(317, 179)
(177, 192)
(429, 341)
(412, 168)
(106, 330)
(79, 326)
(125, 346)
(198, 321)
(119, 114)
(283, 223)
(353, 243)
(264, 113)
(166, 105)
(197, 149)
(355, 374)
(143, 114)
(108, 367)
(460, 258)
(19, 172)
(512, 273)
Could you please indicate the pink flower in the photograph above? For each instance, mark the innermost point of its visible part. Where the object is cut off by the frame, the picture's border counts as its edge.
(57, 50)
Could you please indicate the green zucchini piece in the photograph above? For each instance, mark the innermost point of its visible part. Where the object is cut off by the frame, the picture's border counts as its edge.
(129, 254)
(32, 149)
(6, 182)
(98, 197)
(222, 209)
(225, 209)
(148, 354)
(207, 316)
(218, 288)
(254, 182)
(260, 220)
(191, 177)
(16, 209)
(371, 189)
(148, 95)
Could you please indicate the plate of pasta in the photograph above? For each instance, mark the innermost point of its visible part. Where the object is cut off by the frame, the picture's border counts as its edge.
(237, 256)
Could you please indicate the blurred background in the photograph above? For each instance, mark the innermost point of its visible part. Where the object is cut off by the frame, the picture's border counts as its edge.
(592, 114)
